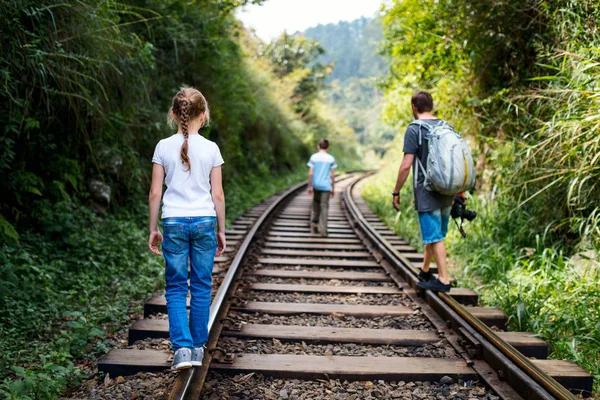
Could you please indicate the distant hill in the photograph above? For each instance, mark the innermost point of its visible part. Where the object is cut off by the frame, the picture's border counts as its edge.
(352, 46)
(353, 91)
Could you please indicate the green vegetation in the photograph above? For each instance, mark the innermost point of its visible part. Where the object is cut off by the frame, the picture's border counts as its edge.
(85, 90)
(86, 86)
(541, 288)
(62, 300)
(519, 79)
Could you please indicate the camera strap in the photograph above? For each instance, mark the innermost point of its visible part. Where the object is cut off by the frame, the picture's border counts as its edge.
(460, 227)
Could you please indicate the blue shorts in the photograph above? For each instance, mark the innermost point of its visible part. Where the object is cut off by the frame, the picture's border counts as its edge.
(434, 225)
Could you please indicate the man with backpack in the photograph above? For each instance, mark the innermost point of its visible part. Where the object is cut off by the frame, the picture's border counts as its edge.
(442, 167)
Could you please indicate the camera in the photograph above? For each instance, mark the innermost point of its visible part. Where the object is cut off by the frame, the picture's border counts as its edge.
(459, 210)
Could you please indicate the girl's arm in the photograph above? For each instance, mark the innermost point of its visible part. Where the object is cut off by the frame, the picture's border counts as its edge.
(218, 197)
(158, 176)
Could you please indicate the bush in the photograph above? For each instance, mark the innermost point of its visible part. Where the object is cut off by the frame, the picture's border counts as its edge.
(62, 299)
(519, 79)
(86, 88)
(541, 289)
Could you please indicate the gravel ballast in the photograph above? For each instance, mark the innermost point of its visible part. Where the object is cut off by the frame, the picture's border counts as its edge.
(257, 387)
(416, 321)
(294, 297)
(316, 268)
(440, 349)
(318, 282)
(143, 386)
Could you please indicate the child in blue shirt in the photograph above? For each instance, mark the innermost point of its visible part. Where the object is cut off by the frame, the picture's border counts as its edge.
(321, 185)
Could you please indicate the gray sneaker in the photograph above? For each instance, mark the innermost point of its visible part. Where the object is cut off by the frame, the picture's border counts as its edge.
(182, 359)
(197, 356)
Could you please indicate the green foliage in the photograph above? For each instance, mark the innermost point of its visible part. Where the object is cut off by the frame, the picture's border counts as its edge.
(62, 299)
(295, 58)
(560, 164)
(423, 55)
(360, 102)
(540, 288)
(520, 80)
(8, 232)
(289, 53)
(255, 188)
(302, 77)
(86, 86)
(511, 71)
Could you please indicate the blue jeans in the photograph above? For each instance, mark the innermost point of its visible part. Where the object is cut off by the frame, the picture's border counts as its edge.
(434, 225)
(188, 241)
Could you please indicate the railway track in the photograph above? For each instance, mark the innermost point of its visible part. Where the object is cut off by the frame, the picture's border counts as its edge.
(288, 305)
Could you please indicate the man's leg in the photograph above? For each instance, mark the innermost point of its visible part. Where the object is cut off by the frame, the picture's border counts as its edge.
(439, 248)
(434, 226)
(439, 252)
(324, 213)
(427, 257)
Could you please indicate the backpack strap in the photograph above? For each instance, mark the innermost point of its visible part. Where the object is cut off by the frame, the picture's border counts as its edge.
(418, 164)
(420, 124)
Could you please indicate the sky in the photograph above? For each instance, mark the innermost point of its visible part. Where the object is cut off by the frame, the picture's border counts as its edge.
(275, 16)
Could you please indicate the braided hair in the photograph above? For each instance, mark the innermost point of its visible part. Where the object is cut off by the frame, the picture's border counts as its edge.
(188, 104)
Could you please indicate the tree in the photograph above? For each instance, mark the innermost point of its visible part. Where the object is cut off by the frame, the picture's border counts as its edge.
(295, 58)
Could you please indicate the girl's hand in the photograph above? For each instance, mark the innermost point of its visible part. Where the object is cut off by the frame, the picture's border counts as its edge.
(221, 244)
(155, 238)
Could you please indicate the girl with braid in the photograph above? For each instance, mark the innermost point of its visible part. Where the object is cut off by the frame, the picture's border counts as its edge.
(193, 207)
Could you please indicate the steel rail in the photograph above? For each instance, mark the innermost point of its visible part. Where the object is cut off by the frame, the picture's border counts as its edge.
(540, 384)
(189, 379)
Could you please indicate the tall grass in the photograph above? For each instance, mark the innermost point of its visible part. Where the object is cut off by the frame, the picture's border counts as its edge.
(541, 289)
(518, 74)
(520, 79)
(559, 168)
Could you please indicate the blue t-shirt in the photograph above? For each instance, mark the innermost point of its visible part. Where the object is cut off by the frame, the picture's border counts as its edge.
(322, 164)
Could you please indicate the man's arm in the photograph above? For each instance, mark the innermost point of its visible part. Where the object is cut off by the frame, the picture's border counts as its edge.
(403, 172)
(310, 177)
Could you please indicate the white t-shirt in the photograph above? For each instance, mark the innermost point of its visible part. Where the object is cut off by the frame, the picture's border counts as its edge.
(188, 192)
